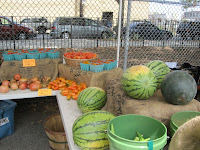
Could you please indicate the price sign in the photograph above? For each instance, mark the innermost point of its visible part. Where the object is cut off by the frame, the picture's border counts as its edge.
(28, 62)
(44, 92)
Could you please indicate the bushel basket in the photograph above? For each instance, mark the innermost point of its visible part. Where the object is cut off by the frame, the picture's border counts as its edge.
(54, 129)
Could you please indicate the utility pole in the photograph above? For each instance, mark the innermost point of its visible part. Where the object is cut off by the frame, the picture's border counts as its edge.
(81, 8)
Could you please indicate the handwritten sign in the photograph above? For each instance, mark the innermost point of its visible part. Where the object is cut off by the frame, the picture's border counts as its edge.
(28, 62)
(44, 92)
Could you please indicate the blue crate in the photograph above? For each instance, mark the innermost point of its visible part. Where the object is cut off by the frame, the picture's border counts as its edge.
(7, 108)
(108, 66)
(53, 55)
(52, 50)
(19, 56)
(43, 55)
(33, 51)
(33, 56)
(85, 67)
(96, 68)
(5, 52)
(114, 64)
(8, 57)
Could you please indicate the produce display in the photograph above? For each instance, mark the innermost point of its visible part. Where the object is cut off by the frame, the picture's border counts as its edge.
(19, 55)
(140, 137)
(178, 87)
(160, 70)
(68, 88)
(21, 83)
(98, 65)
(89, 130)
(80, 55)
(139, 82)
(91, 98)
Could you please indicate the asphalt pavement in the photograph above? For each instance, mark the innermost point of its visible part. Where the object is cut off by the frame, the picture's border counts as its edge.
(45, 41)
(29, 117)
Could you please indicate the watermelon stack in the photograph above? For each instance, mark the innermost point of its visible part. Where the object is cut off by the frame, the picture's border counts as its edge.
(139, 82)
(89, 130)
(179, 87)
(91, 98)
(160, 70)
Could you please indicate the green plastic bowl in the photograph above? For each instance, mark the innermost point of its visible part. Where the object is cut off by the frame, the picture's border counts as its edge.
(125, 127)
(180, 118)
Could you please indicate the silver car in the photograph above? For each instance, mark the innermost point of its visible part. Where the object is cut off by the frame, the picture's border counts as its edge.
(78, 27)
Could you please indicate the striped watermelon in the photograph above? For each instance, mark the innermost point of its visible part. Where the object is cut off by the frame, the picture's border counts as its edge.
(91, 98)
(89, 130)
(160, 69)
(139, 82)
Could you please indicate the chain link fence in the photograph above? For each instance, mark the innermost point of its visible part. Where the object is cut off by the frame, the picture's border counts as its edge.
(150, 29)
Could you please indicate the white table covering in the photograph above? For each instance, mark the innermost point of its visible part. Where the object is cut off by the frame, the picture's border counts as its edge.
(20, 94)
(69, 112)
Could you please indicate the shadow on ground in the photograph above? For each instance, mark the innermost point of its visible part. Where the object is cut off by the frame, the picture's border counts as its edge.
(29, 133)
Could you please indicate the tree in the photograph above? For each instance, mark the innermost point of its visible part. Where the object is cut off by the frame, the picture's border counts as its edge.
(189, 3)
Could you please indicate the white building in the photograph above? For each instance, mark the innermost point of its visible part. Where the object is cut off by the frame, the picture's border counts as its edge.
(191, 16)
(158, 18)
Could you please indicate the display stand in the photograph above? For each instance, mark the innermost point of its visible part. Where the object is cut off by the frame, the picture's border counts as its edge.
(21, 94)
(69, 113)
(68, 109)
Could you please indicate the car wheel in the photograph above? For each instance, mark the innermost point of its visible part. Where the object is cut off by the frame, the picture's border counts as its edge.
(21, 36)
(41, 30)
(65, 35)
(104, 35)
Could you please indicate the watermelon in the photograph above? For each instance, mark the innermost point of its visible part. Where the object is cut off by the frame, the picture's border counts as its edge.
(91, 98)
(139, 82)
(89, 130)
(178, 87)
(160, 70)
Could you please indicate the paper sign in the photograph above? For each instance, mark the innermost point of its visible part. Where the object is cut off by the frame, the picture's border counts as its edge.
(28, 62)
(171, 64)
(4, 121)
(44, 92)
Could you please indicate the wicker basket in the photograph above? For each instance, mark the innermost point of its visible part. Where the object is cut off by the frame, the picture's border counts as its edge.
(54, 129)
(76, 62)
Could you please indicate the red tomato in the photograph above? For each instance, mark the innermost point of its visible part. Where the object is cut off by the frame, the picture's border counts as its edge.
(17, 77)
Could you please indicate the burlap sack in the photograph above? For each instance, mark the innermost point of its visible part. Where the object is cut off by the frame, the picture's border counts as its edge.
(119, 103)
(44, 67)
(187, 136)
(99, 79)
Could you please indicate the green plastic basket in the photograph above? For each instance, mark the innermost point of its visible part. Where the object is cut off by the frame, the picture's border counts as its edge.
(180, 118)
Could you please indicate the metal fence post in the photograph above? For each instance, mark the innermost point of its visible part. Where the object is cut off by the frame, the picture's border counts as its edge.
(127, 36)
(13, 31)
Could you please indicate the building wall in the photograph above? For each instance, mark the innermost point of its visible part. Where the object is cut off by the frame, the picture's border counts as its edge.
(55, 8)
(191, 16)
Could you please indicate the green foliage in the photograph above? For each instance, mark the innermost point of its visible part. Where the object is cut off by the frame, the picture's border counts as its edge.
(189, 3)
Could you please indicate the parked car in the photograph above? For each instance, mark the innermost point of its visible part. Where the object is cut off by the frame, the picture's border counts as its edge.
(189, 29)
(78, 27)
(39, 24)
(148, 31)
(132, 26)
(13, 30)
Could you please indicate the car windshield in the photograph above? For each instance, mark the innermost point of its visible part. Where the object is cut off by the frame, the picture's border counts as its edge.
(11, 20)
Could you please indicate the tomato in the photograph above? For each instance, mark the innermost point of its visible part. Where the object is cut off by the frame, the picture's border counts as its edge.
(17, 77)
